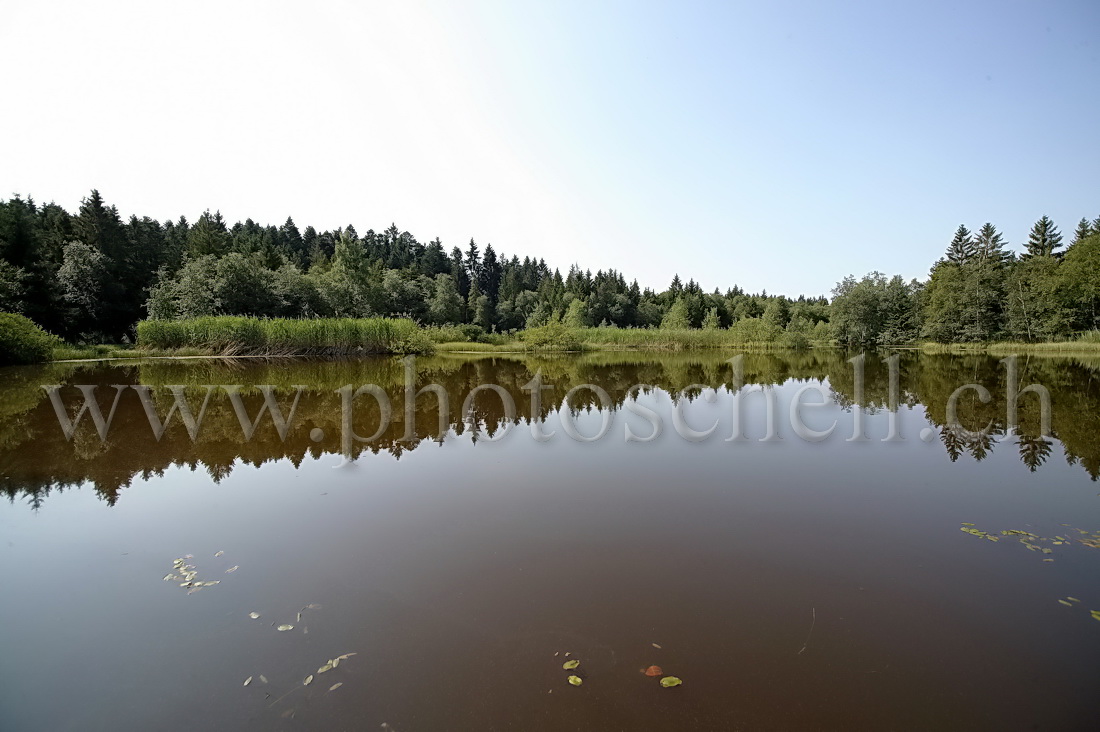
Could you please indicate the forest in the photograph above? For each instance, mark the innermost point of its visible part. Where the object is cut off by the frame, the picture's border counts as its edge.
(90, 276)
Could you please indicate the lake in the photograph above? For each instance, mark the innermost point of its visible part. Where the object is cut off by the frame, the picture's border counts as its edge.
(939, 571)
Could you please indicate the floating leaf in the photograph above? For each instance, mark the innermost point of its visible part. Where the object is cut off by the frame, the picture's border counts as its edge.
(967, 523)
(575, 680)
(670, 681)
(284, 628)
(655, 646)
(307, 680)
(169, 576)
(299, 617)
(313, 606)
(234, 568)
(263, 678)
(570, 665)
(218, 554)
(248, 681)
(1072, 599)
(1066, 603)
(254, 615)
(346, 656)
(327, 667)
(336, 686)
(653, 671)
(335, 662)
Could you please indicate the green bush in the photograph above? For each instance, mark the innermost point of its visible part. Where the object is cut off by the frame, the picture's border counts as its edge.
(551, 337)
(21, 341)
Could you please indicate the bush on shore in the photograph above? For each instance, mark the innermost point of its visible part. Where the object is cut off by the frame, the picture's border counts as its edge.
(23, 342)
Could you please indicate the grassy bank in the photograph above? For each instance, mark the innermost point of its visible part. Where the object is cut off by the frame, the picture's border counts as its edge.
(243, 336)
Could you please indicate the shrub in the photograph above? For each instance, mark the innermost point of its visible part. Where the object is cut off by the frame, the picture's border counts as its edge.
(22, 342)
(552, 337)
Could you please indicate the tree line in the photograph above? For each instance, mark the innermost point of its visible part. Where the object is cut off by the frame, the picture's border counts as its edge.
(91, 276)
(981, 290)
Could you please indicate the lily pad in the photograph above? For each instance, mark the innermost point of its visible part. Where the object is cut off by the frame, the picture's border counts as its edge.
(570, 665)
(575, 680)
(670, 681)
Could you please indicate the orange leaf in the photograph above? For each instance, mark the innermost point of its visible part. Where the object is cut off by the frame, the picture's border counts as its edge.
(653, 671)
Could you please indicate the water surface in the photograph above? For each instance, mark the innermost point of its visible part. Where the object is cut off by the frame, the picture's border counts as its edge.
(791, 584)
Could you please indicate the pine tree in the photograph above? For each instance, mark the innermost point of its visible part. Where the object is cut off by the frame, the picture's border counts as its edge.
(473, 263)
(1043, 239)
(962, 247)
(990, 246)
(489, 278)
(1084, 231)
(293, 242)
(209, 235)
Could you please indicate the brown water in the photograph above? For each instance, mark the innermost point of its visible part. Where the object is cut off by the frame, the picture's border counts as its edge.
(791, 585)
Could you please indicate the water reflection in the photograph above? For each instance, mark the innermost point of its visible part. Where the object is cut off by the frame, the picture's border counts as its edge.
(36, 458)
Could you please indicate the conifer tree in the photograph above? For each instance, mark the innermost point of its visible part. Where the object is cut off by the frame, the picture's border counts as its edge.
(1043, 240)
(961, 249)
(1083, 231)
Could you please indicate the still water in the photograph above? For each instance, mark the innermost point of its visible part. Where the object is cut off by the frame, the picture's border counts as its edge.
(796, 582)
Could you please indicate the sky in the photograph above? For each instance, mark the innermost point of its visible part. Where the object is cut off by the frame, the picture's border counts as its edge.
(778, 146)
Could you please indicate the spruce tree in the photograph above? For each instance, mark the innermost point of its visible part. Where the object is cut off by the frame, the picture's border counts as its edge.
(961, 249)
(990, 246)
(473, 263)
(1043, 239)
(1084, 231)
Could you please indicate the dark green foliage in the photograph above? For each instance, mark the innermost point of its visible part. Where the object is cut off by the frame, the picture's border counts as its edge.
(23, 342)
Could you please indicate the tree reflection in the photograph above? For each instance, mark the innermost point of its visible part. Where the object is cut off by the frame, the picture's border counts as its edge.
(35, 457)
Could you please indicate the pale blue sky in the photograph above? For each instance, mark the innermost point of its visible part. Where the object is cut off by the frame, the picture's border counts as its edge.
(778, 146)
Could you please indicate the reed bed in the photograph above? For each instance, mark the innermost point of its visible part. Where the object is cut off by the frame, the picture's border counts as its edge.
(232, 335)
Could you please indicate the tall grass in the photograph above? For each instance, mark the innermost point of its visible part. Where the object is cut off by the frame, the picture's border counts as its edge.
(1086, 343)
(230, 335)
(751, 334)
